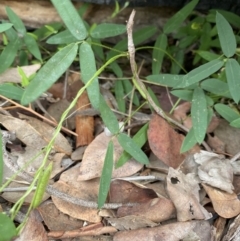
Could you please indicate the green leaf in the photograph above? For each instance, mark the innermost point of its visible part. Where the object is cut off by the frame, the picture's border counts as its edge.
(216, 87)
(71, 18)
(11, 34)
(64, 37)
(32, 46)
(119, 93)
(50, 73)
(183, 94)
(176, 21)
(8, 54)
(235, 123)
(105, 179)
(176, 66)
(10, 91)
(189, 141)
(170, 80)
(24, 79)
(201, 73)
(98, 49)
(187, 41)
(226, 36)
(199, 114)
(140, 139)
(7, 228)
(233, 78)
(88, 69)
(207, 55)
(16, 21)
(128, 87)
(1, 159)
(106, 30)
(132, 148)
(108, 116)
(226, 112)
(158, 53)
(5, 26)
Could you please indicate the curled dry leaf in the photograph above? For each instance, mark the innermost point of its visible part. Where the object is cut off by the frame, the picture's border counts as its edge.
(225, 204)
(184, 192)
(93, 160)
(215, 171)
(170, 232)
(165, 142)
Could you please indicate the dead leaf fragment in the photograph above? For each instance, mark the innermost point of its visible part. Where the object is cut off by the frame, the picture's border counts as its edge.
(184, 193)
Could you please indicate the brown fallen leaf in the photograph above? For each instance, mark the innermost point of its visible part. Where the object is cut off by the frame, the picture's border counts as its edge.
(93, 160)
(157, 210)
(219, 225)
(170, 232)
(183, 190)
(225, 204)
(165, 142)
(234, 230)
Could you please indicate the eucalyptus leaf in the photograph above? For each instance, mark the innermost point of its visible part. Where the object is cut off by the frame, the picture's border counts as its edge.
(158, 53)
(88, 69)
(106, 30)
(226, 36)
(233, 78)
(189, 141)
(105, 179)
(140, 139)
(201, 73)
(199, 114)
(16, 21)
(32, 46)
(5, 26)
(226, 112)
(71, 18)
(132, 148)
(178, 18)
(50, 73)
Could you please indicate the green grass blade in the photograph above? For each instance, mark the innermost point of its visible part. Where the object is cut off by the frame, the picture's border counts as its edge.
(106, 30)
(88, 69)
(233, 78)
(199, 114)
(105, 179)
(132, 148)
(226, 36)
(140, 139)
(176, 21)
(226, 112)
(16, 21)
(158, 53)
(71, 18)
(50, 73)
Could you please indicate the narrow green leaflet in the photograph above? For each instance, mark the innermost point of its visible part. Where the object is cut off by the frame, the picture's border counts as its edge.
(226, 36)
(226, 112)
(183, 94)
(170, 80)
(233, 78)
(231, 17)
(11, 34)
(216, 87)
(199, 114)
(176, 21)
(209, 56)
(105, 179)
(201, 73)
(7, 228)
(140, 139)
(106, 30)
(189, 141)
(10, 91)
(132, 148)
(32, 46)
(1, 159)
(108, 116)
(64, 37)
(88, 69)
(8, 54)
(178, 63)
(119, 93)
(71, 18)
(50, 73)
(128, 87)
(16, 21)
(235, 123)
(158, 53)
(5, 26)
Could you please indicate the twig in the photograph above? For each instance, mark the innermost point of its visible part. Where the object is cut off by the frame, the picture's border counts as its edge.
(159, 111)
(235, 157)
